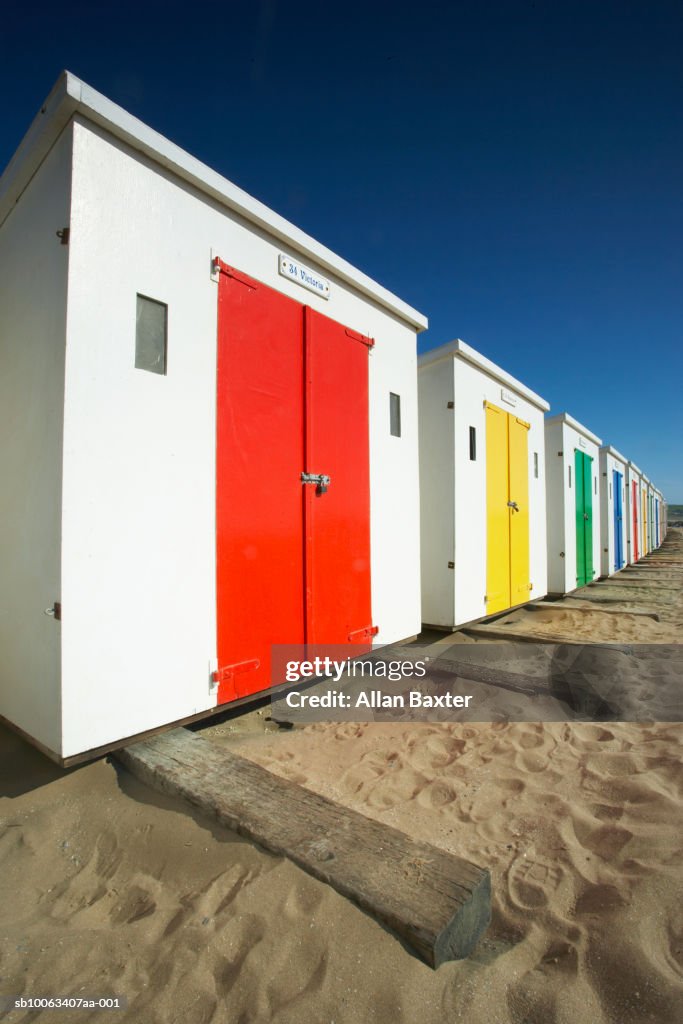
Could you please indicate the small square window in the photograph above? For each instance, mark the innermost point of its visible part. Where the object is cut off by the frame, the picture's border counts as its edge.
(395, 414)
(150, 335)
(473, 444)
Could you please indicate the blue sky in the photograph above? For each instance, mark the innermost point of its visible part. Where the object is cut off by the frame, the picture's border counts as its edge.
(514, 170)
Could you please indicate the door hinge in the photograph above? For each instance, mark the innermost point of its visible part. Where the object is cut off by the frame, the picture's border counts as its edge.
(366, 633)
(362, 338)
(228, 672)
(451, 565)
(219, 267)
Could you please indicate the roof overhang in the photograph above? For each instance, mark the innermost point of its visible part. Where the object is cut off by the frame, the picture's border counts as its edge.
(564, 417)
(70, 96)
(458, 349)
(607, 449)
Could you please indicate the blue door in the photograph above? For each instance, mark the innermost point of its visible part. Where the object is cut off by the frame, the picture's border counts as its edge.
(617, 483)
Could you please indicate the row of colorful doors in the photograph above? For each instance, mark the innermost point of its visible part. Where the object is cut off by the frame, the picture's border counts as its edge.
(292, 481)
(507, 510)
(646, 534)
(649, 521)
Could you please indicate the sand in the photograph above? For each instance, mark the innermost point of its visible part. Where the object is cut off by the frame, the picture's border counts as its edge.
(109, 888)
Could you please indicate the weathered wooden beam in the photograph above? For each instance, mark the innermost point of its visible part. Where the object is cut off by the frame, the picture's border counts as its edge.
(438, 903)
(557, 607)
(500, 632)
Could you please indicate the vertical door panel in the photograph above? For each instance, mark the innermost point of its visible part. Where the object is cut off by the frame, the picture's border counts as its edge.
(259, 457)
(579, 504)
(518, 441)
(617, 482)
(634, 500)
(588, 513)
(497, 511)
(337, 522)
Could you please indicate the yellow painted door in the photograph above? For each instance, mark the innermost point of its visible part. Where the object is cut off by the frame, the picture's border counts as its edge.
(497, 511)
(518, 443)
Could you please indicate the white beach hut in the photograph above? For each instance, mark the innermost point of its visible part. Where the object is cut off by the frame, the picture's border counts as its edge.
(613, 510)
(633, 527)
(645, 515)
(482, 483)
(573, 502)
(208, 436)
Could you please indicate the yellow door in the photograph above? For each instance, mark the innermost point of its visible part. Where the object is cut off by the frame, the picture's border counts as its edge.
(518, 440)
(497, 511)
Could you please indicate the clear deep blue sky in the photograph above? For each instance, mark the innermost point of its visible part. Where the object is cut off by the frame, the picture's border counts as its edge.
(513, 170)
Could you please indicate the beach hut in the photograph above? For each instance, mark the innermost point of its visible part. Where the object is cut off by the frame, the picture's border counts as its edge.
(662, 517)
(573, 500)
(656, 504)
(633, 532)
(613, 510)
(482, 485)
(644, 511)
(208, 436)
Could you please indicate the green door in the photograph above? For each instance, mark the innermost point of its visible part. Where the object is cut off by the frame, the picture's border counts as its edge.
(583, 483)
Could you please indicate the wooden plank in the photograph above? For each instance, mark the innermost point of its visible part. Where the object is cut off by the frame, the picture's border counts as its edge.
(438, 903)
(625, 604)
(636, 585)
(501, 633)
(556, 607)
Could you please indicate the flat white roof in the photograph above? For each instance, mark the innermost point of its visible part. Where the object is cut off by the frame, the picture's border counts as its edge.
(634, 467)
(70, 95)
(458, 349)
(564, 417)
(609, 450)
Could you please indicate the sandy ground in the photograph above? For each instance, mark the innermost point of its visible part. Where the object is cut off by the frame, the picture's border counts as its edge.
(109, 888)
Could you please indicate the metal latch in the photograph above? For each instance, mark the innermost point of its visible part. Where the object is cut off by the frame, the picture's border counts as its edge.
(513, 505)
(321, 481)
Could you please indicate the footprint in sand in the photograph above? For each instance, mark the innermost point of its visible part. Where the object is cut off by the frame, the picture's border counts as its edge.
(531, 882)
(135, 904)
(395, 788)
(436, 794)
(350, 731)
(437, 752)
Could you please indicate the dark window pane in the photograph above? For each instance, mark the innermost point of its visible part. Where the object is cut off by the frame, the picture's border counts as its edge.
(150, 335)
(395, 414)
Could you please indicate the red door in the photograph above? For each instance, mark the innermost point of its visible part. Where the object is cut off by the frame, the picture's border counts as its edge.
(634, 504)
(337, 522)
(293, 560)
(259, 455)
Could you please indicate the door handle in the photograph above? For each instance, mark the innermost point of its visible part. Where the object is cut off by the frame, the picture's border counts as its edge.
(321, 480)
(585, 515)
(513, 505)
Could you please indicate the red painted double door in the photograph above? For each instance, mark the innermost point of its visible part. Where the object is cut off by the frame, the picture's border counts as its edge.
(293, 557)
